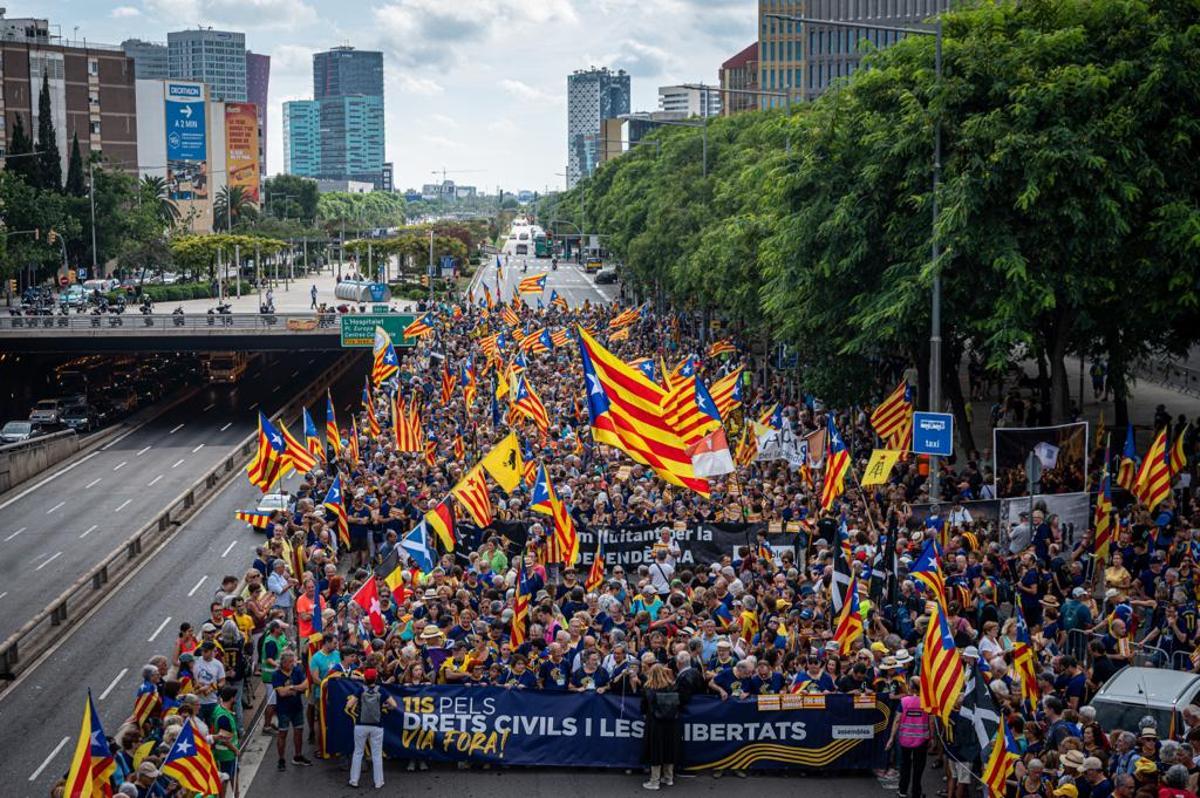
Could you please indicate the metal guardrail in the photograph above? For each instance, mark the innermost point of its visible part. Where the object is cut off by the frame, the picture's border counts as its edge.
(1169, 374)
(39, 633)
(159, 323)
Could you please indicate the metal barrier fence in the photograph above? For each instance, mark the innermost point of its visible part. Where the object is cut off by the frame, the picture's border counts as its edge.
(39, 633)
(1169, 374)
(171, 322)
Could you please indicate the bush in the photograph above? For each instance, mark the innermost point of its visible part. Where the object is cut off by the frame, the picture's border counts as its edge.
(178, 292)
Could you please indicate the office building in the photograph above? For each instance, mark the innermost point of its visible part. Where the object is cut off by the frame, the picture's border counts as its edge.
(389, 180)
(149, 59)
(689, 101)
(214, 57)
(812, 57)
(593, 95)
(302, 138)
(91, 91)
(258, 81)
(339, 134)
(739, 72)
(325, 186)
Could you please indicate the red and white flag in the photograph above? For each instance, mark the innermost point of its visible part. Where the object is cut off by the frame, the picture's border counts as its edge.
(710, 455)
(367, 597)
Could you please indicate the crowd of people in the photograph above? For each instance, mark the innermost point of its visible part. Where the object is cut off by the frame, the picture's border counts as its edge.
(758, 620)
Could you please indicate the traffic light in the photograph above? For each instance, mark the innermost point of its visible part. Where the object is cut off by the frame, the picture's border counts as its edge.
(37, 234)
(51, 237)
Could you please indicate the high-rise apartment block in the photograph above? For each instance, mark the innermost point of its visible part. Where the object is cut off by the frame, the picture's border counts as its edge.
(593, 95)
(215, 57)
(150, 60)
(302, 138)
(736, 75)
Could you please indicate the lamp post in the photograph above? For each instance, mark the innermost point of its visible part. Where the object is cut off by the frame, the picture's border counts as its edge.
(935, 314)
(786, 94)
(702, 124)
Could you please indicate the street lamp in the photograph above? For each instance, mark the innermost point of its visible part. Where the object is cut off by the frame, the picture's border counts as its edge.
(935, 315)
(702, 124)
(786, 94)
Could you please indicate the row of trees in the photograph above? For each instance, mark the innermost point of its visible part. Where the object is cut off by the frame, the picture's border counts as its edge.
(1070, 203)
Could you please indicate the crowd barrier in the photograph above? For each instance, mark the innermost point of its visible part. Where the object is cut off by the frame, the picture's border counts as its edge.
(499, 726)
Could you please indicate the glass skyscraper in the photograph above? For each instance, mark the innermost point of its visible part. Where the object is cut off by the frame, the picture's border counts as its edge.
(302, 138)
(593, 95)
(215, 57)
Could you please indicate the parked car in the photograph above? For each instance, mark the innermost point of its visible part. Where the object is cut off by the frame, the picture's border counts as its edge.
(606, 275)
(75, 296)
(18, 431)
(47, 411)
(1135, 692)
(270, 502)
(123, 400)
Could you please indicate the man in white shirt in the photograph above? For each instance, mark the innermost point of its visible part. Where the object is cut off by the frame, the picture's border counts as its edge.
(661, 572)
(209, 675)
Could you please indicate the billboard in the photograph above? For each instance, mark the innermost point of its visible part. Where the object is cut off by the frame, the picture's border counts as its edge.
(187, 142)
(1061, 451)
(241, 148)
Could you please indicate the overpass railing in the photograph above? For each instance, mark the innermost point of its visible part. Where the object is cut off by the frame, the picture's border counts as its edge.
(171, 323)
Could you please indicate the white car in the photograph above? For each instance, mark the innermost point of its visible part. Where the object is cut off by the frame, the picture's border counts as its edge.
(270, 502)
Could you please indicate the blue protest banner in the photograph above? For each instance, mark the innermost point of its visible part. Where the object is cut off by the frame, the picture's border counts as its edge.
(532, 727)
(933, 433)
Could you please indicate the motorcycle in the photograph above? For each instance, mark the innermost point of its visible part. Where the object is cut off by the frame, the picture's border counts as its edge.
(223, 309)
(147, 307)
(266, 308)
(554, 265)
(177, 316)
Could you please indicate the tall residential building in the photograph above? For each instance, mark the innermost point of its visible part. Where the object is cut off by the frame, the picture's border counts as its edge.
(215, 57)
(92, 92)
(593, 95)
(149, 59)
(348, 94)
(302, 138)
(689, 101)
(739, 72)
(812, 57)
(258, 80)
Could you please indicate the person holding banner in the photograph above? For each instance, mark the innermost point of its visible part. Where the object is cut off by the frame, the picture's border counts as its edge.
(368, 709)
(664, 732)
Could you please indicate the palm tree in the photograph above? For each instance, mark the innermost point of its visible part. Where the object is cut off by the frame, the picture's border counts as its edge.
(154, 188)
(232, 204)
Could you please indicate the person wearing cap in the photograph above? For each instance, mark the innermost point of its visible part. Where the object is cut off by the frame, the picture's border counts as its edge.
(272, 645)
(146, 780)
(368, 708)
(209, 675)
(1098, 784)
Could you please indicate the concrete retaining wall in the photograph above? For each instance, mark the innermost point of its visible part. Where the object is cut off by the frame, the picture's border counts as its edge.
(20, 461)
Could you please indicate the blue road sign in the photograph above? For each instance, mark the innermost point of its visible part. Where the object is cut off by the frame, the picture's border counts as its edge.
(933, 433)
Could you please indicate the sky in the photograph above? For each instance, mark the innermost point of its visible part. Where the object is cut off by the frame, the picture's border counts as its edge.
(474, 85)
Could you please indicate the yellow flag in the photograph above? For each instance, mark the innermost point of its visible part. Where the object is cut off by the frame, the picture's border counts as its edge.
(504, 462)
(880, 466)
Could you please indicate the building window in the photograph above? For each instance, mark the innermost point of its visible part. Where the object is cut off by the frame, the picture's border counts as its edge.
(95, 128)
(93, 66)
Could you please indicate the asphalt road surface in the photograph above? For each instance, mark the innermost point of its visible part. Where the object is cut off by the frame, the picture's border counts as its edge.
(56, 527)
(40, 713)
(569, 280)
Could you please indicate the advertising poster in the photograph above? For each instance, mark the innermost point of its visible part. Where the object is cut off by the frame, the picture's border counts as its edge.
(1061, 451)
(241, 148)
(187, 142)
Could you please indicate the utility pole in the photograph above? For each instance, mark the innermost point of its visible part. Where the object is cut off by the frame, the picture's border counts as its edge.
(92, 202)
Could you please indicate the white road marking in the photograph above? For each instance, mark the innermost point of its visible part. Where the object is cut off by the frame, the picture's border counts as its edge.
(2, 595)
(120, 465)
(53, 557)
(198, 448)
(50, 478)
(93, 483)
(116, 440)
(142, 451)
(161, 626)
(88, 531)
(228, 549)
(150, 484)
(227, 426)
(276, 388)
(210, 407)
(172, 432)
(177, 462)
(296, 373)
(113, 684)
(53, 754)
(14, 534)
(55, 507)
(192, 592)
(253, 406)
(122, 505)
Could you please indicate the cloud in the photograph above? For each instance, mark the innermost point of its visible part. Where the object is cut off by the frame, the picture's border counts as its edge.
(435, 33)
(526, 93)
(440, 141)
(502, 127)
(443, 122)
(412, 84)
(640, 59)
(123, 12)
(239, 15)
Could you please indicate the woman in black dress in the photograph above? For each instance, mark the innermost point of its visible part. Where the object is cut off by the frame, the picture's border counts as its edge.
(661, 707)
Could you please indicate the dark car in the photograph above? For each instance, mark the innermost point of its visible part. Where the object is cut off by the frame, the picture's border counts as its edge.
(79, 417)
(606, 275)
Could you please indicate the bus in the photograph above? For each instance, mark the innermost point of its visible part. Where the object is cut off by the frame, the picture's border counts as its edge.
(541, 246)
(226, 367)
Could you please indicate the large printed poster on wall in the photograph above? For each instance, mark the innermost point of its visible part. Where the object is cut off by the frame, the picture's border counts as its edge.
(241, 147)
(187, 142)
(1062, 452)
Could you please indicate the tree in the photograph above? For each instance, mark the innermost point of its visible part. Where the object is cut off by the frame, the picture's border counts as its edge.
(232, 205)
(49, 160)
(21, 145)
(290, 197)
(75, 185)
(153, 190)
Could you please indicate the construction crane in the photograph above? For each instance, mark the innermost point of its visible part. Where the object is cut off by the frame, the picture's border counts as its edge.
(444, 171)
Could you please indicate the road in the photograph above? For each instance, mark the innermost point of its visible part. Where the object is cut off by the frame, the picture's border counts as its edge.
(55, 528)
(139, 619)
(569, 280)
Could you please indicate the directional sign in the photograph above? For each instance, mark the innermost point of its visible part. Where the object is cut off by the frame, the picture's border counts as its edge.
(358, 329)
(933, 433)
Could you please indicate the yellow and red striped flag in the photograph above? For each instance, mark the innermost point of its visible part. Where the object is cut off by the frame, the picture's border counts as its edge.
(722, 347)
(270, 459)
(472, 493)
(526, 400)
(941, 667)
(892, 420)
(190, 762)
(727, 392)
(295, 455)
(595, 577)
(1154, 477)
(93, 765)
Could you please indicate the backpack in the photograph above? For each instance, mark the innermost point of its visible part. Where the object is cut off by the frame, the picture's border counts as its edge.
(370, 707)
(665, 705)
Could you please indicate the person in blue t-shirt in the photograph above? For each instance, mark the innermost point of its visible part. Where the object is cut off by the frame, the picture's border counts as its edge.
(767, 681)
(289, 684)
(813, 679)
(591, 676)
(517, 675)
